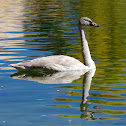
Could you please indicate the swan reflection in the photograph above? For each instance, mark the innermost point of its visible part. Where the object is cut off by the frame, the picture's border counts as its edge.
(87, 114)
(60, 78)
(48, 77)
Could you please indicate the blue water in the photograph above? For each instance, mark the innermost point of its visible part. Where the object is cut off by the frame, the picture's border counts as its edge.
(31, 29)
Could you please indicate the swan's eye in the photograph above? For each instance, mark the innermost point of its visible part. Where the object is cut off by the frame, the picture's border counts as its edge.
(90, 22)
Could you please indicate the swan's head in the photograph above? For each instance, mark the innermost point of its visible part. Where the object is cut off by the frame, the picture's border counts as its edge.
(84, 21)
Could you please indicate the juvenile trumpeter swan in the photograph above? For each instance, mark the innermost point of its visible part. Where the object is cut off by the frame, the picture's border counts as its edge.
(62, 62)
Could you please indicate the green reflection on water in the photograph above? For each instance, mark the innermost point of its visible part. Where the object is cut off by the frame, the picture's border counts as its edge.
(59, 30)
(85, 117)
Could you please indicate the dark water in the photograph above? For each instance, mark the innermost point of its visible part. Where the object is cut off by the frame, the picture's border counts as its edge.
(36, 28)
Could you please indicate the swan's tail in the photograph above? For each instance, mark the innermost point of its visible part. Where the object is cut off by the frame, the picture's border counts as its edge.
(17, 66)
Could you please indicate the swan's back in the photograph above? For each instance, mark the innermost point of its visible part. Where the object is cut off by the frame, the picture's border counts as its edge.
(57, 62)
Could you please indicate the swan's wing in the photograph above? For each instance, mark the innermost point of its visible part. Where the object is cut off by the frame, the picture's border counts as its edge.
(57, 62)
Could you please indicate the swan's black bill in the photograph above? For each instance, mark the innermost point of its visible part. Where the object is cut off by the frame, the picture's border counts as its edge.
(94, 24)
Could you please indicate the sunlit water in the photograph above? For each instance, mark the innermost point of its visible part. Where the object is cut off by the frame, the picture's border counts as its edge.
(36, 28)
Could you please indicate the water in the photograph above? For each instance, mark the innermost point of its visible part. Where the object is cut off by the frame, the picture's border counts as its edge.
(35, 28)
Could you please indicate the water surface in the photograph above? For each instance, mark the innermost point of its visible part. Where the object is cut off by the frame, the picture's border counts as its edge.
(31, 29)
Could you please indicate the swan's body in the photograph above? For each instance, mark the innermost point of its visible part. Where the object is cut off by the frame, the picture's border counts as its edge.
(57, 62)
(62, 62)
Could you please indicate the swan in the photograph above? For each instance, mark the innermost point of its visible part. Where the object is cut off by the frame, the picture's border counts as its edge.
(62, 62)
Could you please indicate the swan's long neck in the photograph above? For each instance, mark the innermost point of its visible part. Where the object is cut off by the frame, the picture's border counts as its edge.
(85, 50)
